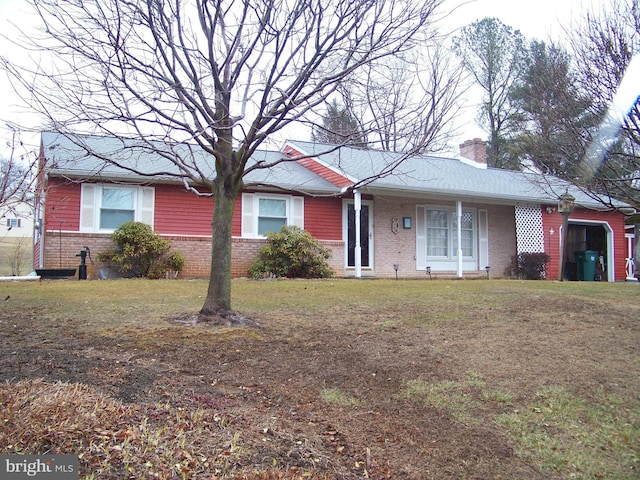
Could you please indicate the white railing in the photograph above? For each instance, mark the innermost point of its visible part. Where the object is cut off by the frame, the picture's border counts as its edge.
(630, 265)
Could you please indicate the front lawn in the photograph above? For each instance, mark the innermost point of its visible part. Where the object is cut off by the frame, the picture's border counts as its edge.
(343, 379)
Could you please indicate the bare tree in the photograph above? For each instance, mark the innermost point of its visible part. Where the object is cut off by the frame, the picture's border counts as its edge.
(605, 42)
(493, 54)
(407, 103)
(18, 255)
(16, 173)
(224, 75)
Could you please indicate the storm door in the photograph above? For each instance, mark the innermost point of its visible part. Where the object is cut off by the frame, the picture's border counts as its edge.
(366, 235)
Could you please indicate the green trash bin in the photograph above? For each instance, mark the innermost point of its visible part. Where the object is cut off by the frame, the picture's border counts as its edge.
(586, 262)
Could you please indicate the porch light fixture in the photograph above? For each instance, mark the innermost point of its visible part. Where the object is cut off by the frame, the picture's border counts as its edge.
(395, 267)
(429, 273)
(487, 268)
(566, 203)
(406, 223)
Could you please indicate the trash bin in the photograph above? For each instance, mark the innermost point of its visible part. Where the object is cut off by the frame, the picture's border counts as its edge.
(586, 262)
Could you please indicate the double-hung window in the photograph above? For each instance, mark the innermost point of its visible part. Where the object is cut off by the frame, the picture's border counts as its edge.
(105, 207)
(438, 233)
(117, 206)
(437, 238)
(272, 214)
(264, 213)
(442, 233)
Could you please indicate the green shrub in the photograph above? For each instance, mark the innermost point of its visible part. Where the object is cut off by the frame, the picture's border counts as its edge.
(141, 252)
(529, 266)
(293, 253)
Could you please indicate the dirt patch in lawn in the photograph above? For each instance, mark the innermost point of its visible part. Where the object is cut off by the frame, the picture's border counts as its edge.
(347, 390)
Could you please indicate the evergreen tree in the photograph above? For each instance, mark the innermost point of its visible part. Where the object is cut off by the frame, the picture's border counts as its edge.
(493, 53)
(553, 113)
(339, 127)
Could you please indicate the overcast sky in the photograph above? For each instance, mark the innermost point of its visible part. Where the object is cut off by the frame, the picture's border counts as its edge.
(541, 19)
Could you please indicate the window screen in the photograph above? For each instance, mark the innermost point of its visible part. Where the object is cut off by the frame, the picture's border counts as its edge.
(272, 215)
(437, 233)
(117, 207)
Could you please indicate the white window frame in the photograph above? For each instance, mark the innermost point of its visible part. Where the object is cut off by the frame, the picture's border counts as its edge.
(91, 205)
(448, 229)
(480, 234)
(474, 235)
(251, 211)
(102, 210)
(452, 253)
(285, 219)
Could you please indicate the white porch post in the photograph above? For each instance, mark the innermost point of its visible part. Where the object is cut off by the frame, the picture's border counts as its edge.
(357, 251)
(630, 266)
(459, 234)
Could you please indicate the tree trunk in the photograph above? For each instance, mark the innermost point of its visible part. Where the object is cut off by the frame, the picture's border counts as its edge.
(217, 305)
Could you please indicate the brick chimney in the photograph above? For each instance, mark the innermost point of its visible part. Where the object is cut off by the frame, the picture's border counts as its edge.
(475, 150)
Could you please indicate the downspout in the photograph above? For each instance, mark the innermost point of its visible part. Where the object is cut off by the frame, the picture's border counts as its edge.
(40, 225)
(39, 209)
(459, 234)
(357, 251)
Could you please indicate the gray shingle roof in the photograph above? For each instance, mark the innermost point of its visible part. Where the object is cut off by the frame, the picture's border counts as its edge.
(446, 177)
(82, 156)
(419, 175)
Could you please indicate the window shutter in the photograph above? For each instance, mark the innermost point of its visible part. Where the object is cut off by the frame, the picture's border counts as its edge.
(147, 203)
(248, 217)
(483, 239)
(88, 207)
(297, 212)
(421, 238)
(19, 222)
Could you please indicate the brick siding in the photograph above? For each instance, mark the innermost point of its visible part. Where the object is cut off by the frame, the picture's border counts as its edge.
(400, 248)
(61, 249)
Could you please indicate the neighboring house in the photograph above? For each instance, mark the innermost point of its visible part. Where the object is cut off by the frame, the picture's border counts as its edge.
(411, 216)
(16, 237)
(16, 219)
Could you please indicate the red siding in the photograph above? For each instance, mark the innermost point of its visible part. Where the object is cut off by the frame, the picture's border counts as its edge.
(552, 222)
(319, 169)
(616, 222)
(552, 242)
(236, 227)
(325, 172)
(179, 212)
(185, 219)
(62, 209)
(323, 217)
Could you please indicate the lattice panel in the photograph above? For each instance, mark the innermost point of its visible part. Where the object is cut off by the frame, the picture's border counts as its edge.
(529, 230)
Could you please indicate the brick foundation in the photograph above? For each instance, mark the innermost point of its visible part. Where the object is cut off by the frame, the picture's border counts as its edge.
(61, 248)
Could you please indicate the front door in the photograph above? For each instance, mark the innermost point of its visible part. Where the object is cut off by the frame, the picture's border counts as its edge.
(366, 235)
